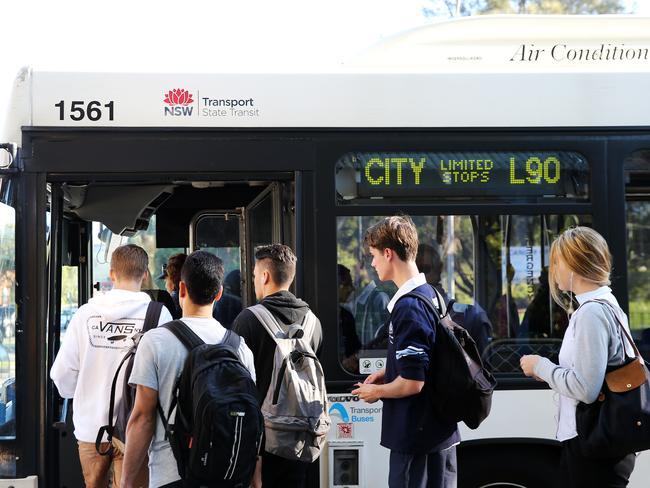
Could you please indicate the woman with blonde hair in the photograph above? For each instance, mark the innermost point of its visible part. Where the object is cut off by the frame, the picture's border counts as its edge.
(580, 266)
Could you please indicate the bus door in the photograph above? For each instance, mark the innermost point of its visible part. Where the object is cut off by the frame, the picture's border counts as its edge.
(69, 276)
(81, 242)
(262, 225)
(233, 234)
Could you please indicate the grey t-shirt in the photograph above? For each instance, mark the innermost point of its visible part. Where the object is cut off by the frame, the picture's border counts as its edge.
(158, 363)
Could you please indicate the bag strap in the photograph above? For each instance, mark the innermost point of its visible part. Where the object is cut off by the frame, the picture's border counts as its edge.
(184, 334)
(151, 319)
(274, 328)
(268, 320)
(637, 354)
(232, 340)
(428, 302)
(190, 340)
(108, 429)
(309, 325)
(439, 312)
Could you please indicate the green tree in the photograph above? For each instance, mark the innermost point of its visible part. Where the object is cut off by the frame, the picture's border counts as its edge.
(478, 7)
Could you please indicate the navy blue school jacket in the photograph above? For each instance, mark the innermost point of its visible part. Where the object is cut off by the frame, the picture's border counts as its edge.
(408, 424)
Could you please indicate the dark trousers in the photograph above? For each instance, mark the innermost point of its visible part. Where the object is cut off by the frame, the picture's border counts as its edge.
(578, 471)
(278, 472)
(433, 470)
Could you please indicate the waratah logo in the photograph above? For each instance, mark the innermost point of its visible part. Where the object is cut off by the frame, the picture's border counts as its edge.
(178, 96)
(178, 101)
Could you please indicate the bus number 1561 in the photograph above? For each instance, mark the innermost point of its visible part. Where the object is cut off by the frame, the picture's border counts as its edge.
(80, 110)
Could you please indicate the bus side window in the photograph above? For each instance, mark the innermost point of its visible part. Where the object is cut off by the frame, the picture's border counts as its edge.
(445, 257)
(637, 193)
(516, 286)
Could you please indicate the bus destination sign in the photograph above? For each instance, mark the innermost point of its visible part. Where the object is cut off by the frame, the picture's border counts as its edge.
(468, 174)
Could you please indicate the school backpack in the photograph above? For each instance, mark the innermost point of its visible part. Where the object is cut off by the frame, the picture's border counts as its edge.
(117, 430)
(295, 407)
(217, 430)
(458, 387)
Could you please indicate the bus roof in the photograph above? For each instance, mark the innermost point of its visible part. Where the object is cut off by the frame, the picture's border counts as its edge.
(425, 78)
(517, 43)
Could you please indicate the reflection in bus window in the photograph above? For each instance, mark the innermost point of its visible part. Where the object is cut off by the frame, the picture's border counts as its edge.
(516, 283)
(492, 269)
(104, 243)
(637, 195)
(69, 295)
(445, 243)
(219, 234)
(7, 322)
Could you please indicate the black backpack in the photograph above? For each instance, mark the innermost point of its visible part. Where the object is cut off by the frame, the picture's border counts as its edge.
(117, 430)
(217, 432)
(459, 388)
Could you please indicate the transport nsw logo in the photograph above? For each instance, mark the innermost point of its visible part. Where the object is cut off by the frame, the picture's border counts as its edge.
(179, 101)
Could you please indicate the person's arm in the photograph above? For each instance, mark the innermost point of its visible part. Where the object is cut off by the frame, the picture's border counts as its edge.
(256, 482)
(65, 370)
(142, 422)
(246, 357)
(139, 433)
(398, 388)
(242, 327)
(413, 335)
(165, 316)
(585, 379)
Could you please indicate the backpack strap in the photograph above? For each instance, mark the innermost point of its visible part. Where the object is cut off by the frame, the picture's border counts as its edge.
(268, 320)
(232, 340)
(438, 312)
(151, 319)
(190, 340)
(309, 325)
(273, 327)
(184, 334)
(108, 429)
(427, 301)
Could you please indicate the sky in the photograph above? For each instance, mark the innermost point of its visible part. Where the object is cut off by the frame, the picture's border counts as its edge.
(198, 35)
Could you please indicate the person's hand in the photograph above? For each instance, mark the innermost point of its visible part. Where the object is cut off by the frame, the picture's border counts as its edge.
(376, 378)
(367, 392)
(528, 363)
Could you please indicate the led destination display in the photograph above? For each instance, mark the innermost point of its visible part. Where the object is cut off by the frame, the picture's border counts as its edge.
(472, 174)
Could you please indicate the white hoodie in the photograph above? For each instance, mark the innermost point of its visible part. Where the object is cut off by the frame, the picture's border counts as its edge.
(98, 336)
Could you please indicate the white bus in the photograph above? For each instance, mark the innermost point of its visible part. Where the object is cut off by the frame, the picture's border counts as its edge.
(494, 133)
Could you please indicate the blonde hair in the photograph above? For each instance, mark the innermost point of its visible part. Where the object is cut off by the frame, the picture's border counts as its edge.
(130, 262)
(586, 253)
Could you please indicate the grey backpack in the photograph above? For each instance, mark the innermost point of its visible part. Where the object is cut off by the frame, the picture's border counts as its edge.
(295, 408)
